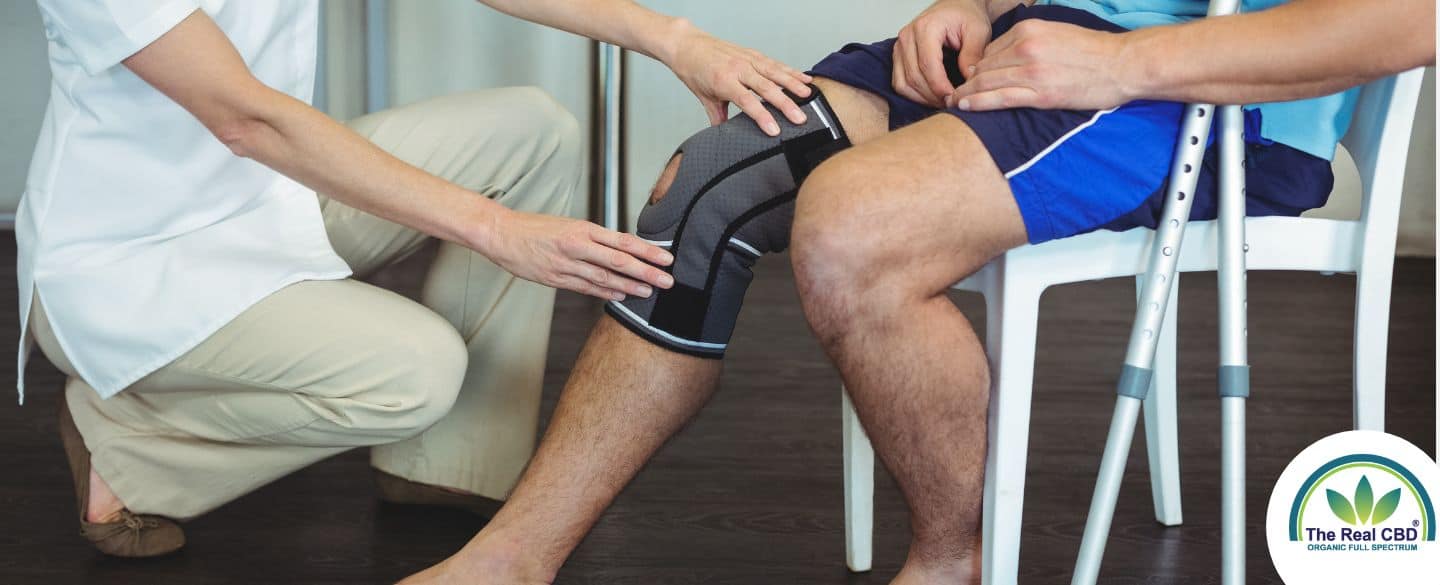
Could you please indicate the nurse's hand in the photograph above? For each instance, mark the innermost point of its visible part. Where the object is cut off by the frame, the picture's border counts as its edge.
(575, 255)
(721, 73)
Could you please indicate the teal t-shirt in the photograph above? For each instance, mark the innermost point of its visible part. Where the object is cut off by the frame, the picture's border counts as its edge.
(1313, 125)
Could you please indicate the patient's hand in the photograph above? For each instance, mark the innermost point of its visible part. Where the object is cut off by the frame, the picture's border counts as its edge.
(721, 73)
(918, 71)
(1050, 65)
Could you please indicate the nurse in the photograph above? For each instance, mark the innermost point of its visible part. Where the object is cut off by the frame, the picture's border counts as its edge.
(191, 232)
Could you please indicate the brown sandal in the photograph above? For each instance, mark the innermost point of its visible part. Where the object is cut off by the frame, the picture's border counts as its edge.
(133, 535)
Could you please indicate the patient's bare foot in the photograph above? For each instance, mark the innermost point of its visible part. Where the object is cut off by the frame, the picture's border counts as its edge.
(102, 506)
(481, 563)
(949, 571)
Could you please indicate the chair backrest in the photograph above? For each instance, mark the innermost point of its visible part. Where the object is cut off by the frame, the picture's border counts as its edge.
(1379, 141)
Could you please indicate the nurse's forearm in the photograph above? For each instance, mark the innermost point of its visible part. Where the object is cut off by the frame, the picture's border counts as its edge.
(195, 65)
(1297, 50)
(619, 22)
(300, 142)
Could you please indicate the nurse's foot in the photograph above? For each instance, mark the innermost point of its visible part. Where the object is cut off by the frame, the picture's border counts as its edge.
(102, 505)
(104, 521)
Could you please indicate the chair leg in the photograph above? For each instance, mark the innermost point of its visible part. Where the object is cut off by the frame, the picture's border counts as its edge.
(1010, 325)
(1161, 427)
(1372, 329)
(859, 488)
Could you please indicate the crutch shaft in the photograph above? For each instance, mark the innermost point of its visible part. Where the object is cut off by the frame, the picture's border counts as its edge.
(1234, 374)
(1231, 252)
(1144, 337)
(1232, 491)
(1107, 490)
(1169, 234)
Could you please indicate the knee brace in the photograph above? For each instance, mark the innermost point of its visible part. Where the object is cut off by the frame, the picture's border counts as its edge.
(733, 200)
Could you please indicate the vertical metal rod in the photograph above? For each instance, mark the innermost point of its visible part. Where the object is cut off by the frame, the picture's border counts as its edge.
(377, 55)
(320, 97)
(611, 59)
(1232, 490)
(1231, 217)
(1234, 373)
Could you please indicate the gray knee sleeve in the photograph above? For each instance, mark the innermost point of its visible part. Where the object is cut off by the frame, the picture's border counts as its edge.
(733, 200)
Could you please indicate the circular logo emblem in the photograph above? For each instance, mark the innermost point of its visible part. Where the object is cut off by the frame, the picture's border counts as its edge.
(1355, 507)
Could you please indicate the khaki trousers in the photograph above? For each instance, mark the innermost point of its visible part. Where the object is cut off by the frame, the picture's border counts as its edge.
(448, 393)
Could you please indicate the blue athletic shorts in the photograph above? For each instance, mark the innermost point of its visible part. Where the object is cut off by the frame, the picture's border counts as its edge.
(1075, 171)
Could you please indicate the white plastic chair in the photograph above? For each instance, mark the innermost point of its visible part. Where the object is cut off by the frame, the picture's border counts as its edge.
(1378, 141)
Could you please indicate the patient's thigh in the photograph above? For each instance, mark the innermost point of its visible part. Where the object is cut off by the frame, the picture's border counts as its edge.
(864, 115)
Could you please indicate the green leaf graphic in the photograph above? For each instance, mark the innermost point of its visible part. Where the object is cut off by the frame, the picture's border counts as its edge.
(1386, 506)
(1341, 507)
(1364, 500)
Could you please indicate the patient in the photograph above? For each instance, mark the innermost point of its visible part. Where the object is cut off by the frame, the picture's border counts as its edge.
(900, 184)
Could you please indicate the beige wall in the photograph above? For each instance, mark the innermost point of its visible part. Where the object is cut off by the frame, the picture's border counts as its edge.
(1417, 209)
(442, 46)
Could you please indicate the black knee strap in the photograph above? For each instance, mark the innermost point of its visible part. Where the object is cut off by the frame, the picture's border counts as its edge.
(733, 200)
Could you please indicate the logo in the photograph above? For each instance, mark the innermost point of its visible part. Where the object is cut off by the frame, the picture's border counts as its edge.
(1354, 507)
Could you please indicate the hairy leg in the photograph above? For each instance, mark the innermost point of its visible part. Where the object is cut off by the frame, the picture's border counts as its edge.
(876, 298)
(624, 399)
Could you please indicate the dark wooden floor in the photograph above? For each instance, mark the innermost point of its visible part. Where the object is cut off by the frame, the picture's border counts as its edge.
(751, 492)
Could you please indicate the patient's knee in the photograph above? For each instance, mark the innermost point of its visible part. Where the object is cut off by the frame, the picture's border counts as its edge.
(667, 178)
(734, 197)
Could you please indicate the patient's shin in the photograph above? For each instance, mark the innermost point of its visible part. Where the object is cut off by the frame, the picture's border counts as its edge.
(732, 200)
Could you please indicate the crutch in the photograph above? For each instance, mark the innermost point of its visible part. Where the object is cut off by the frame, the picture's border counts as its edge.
(1234, 375)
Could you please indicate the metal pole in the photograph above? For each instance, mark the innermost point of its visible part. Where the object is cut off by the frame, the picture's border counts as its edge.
(320, 97)
(1234, 374)
(608, 79)
(377, 55)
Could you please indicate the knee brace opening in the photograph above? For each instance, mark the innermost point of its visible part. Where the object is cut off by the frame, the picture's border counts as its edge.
(666, 178)
(730, 202)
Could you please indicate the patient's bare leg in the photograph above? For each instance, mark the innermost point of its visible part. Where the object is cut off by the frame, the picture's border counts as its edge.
(625, 398)
(912, 364)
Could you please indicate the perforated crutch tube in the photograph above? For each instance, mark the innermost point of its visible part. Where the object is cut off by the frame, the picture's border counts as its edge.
(1234, 374)
(1135, 377)
(1144, 335)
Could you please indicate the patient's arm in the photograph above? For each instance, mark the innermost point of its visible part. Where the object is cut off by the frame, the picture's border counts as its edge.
(1293, 51)
(625, 398)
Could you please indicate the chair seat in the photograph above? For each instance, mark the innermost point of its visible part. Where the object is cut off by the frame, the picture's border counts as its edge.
(1276, 243)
